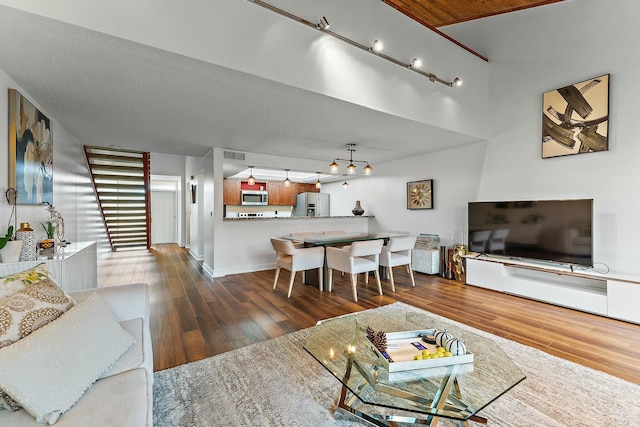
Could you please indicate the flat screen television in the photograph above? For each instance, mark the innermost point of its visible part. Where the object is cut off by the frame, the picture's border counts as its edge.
(558, 231)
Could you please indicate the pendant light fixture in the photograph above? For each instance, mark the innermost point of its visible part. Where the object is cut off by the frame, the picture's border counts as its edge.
(345, 184)
(334, 167)
(287, 181)
(318, 183)
(251, 180)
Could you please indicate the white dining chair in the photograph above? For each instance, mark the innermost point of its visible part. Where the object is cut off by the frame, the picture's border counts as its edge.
(396, 253)
(361, 257)
(297, 259)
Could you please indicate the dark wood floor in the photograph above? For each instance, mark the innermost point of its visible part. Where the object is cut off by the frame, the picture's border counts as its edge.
(194, 316)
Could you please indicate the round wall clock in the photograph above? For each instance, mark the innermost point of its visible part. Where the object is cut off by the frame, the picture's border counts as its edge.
(420, 194)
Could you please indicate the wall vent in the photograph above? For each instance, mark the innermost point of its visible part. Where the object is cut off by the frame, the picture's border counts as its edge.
(233, 155)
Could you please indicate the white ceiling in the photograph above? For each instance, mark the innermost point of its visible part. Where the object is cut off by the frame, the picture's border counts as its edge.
(109, 91)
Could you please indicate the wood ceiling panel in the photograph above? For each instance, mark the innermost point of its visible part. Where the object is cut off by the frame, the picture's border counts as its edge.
(438, 13)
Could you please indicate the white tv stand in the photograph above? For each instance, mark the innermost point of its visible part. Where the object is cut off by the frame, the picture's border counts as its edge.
(608, 294)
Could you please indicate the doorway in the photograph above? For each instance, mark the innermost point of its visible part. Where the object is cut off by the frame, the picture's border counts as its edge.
(165, 218)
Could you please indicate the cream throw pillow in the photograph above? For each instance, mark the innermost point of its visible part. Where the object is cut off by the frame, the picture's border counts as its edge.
(49, 370)
(27, 310)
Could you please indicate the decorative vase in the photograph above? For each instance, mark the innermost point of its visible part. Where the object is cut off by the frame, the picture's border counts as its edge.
(358, 209)
(28, 237)
(11, 251)
(459, 251)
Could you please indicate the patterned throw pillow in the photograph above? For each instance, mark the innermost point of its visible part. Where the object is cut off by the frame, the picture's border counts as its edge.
(12, 283)
(27, 310)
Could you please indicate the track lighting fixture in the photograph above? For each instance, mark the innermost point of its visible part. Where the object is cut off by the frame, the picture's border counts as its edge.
(287, 181)
(318, 183)
(375, 48)
(351, 168)
(251, 180)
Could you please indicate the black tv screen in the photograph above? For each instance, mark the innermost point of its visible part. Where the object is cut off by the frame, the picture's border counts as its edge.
(557, 231)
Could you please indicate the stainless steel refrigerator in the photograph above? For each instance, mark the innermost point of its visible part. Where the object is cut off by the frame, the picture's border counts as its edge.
(312, 204)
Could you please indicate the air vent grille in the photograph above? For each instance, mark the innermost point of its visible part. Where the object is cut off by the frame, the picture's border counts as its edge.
(233, 155)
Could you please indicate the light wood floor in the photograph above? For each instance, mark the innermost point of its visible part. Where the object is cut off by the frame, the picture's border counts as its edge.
(194, 316)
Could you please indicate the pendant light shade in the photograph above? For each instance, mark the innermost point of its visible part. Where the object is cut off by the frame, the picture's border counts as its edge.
(318, 183)
(287, 181)
(334, 167)
(251, 180)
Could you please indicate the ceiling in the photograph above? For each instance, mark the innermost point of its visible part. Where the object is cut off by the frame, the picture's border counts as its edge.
(440, 13)
(108, 91)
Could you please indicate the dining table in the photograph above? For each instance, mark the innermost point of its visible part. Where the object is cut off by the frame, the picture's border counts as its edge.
(339, 239)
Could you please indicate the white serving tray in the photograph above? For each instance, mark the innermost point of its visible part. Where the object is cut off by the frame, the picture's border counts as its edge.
(403, 346)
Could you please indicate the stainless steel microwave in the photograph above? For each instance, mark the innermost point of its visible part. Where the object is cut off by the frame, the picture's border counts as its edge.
(255, 198)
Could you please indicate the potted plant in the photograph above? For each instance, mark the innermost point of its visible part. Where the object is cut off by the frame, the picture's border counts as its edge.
(50, 229)
(9, 248)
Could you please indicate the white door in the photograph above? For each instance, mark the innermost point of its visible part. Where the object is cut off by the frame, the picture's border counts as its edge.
(163, 217)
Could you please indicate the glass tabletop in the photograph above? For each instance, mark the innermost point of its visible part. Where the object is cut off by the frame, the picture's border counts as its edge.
(342, 347)
(331, 239)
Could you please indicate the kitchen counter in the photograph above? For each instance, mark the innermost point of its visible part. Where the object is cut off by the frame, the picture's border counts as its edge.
(297, 218)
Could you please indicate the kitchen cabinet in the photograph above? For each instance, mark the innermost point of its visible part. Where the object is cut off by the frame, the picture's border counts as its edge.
(307, 188)
(279, 195)
(231, 192)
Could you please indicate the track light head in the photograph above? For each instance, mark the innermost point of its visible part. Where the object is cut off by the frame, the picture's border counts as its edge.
(376, 46)
(323, 24)
(415, 63)
(457, 81)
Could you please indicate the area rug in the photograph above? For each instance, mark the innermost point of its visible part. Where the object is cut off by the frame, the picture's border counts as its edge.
(277, 383)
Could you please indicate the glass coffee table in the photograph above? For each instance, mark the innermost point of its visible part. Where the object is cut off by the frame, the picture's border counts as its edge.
(376, 393)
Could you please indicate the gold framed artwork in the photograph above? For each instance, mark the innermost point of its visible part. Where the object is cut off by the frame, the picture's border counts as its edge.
(420, 194)
(30, 152)
(575, 118)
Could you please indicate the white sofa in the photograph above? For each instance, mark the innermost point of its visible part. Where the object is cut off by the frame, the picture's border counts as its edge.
(123, 396)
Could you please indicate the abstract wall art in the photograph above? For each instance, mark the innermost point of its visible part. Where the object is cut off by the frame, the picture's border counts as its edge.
(30, 152)
(575, 118)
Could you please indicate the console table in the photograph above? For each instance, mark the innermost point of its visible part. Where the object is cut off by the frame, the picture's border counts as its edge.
(75, 266)
(610, 295)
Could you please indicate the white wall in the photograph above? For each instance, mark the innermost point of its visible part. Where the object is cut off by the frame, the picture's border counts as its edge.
(542, 49)
(456, 174)
(73, 194)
